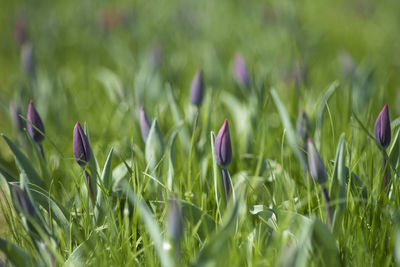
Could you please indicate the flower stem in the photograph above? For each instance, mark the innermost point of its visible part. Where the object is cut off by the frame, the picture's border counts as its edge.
(227, 187)
(386, 171)
(327, 205)
(41, 150)
(90, 186)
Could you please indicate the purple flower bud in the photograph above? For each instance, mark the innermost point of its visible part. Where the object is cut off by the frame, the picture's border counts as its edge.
(34, 118)
(197, 88)
(303, 125)
(20, 31)
(241, 73)
(145, 124)
(174, 221)
(315, 164)
(223, 147)
(81, 146)
(27, 59)
(22, 200)
(17, 121)
(382, 128)
(156, 56)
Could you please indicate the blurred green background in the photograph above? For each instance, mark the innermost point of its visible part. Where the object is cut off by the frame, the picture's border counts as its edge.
(72, 40)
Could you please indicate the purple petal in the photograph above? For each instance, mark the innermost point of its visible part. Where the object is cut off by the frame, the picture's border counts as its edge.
(34, 118)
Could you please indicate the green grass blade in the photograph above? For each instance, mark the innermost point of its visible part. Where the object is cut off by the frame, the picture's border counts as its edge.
(290, 132)
(24, 164)
(338, 185)
(16, 254)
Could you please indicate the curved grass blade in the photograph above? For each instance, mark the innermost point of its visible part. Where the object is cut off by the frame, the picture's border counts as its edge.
(290, 132)
(106, 179)
(322, 108)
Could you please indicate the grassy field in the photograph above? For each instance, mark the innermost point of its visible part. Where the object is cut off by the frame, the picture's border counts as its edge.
(162, 201)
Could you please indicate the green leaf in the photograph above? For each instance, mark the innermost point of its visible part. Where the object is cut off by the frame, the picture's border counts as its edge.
(394, 151)
(93, 164)
(79, 256)
(58, 212)
(204, 222)
(16, 254)
(184, 134)
(106, 179)
(154, 146)
(150, 224)
(170, 158)
(24, 164)
(217, 245)
(6, 175)
(324, 245)
(338, 185)
(266, 215)
(397, 245)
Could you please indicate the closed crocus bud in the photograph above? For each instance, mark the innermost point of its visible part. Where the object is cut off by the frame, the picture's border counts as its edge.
(27, 59)
(197, 88)
(81, 146)
(240, 71)
(174, 221)
(315, 164)
(223, 147)
(303, 125)
(145, 124)
(382, 128)
(20, 31)
(34, 118)
(22, 200)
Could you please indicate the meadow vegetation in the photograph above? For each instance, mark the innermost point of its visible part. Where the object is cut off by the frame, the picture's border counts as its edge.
(199, 133)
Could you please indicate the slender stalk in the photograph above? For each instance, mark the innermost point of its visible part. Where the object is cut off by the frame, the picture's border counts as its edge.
(190, 153)
(386, 171)
(227, 187)
(90, 186)
(41, 150)
(327, 205)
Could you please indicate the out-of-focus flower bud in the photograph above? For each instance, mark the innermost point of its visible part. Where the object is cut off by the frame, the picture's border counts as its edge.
(27, 59)
(197, 88)
(174, 221)
(303, 125)
(145, 124)
(315, 164)
(240, 71)
(20, 31)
